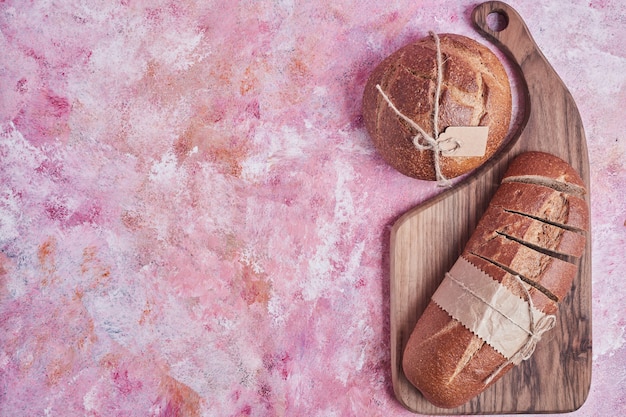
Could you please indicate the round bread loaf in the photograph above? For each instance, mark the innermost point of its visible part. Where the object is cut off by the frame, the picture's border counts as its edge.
(475, 91)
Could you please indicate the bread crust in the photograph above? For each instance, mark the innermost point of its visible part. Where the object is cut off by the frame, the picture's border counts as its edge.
(447, 362)
(475, 92)
(545, 166)
(543, 203)
(547, 272)
(427, 365)
(529, 231)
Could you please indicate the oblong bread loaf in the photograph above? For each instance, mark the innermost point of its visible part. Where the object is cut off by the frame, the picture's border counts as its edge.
(530, 241)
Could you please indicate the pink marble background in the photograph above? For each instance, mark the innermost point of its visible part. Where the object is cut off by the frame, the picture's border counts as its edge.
(194, 222)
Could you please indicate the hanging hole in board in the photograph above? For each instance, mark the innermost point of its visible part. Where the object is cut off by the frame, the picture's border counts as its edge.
(497, 21)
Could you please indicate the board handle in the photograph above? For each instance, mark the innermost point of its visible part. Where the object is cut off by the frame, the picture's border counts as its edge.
(500, 23)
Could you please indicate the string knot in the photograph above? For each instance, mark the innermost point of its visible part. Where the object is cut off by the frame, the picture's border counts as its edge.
(537, 330)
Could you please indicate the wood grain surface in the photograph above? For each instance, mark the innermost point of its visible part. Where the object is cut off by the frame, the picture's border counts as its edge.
(427, 240)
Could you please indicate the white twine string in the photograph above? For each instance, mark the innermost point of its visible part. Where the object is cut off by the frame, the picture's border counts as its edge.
(423, 141)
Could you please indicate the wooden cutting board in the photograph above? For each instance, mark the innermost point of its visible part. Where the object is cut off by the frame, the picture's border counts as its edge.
(427, 240)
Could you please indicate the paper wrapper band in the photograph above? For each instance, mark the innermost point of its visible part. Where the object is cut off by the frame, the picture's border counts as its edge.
(491, 311)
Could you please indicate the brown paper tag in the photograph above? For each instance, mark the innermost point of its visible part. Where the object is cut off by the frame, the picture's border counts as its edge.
(486, 307)
(464, 141)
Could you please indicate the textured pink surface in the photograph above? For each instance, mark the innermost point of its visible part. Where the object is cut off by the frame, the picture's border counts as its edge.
(193, 221)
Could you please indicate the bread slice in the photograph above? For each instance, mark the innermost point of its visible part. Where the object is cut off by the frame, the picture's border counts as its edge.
(548, 274)
(536, 234)
(543, 203)
(544, 169)
(540, 300)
